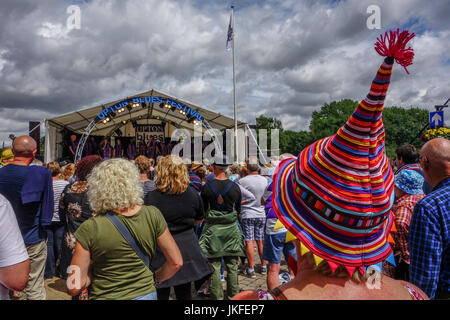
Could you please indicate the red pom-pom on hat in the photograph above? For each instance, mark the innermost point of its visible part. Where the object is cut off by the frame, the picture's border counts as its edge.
(394, 45)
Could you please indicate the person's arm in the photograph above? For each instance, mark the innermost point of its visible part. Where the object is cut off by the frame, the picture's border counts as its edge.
(247, 196)
(48, 199)
(174, 260)
(238, 203)
(204, 196)
(79, 276)
(425, 248)
(200, 212)
(14, 261)
(15, 277)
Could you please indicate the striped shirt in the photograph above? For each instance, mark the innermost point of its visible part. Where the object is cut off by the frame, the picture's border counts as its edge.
(58, 188)
(195, 181)
(148, 186)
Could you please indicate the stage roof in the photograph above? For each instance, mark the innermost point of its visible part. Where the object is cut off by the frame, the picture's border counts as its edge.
(77, 121)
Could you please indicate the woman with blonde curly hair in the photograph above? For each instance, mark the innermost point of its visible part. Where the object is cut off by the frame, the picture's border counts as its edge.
(182, 208)
(108, 264)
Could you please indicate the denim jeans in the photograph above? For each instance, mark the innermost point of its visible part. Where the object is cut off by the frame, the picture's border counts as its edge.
(55, 233)
(149, 296)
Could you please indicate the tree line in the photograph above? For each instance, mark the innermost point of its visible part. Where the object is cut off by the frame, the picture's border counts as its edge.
(402, 126)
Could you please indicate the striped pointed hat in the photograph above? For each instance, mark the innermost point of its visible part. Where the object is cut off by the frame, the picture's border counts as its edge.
(337, 195)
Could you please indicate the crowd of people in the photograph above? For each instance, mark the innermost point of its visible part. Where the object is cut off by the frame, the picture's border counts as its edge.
(350, 224)
(192, 206)
(195, 224)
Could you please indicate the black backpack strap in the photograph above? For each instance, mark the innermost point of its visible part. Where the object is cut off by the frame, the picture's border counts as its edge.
(223, 193)
(128, 237)
(213, 188)
(227, 188)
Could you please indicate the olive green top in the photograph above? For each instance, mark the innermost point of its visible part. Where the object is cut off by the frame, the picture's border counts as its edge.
(117, 271)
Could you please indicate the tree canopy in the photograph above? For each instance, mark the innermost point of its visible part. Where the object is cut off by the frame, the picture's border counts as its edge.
(402, 126)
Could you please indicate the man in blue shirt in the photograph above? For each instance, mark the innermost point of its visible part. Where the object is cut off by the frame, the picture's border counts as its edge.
(429, 234)
(29, 189)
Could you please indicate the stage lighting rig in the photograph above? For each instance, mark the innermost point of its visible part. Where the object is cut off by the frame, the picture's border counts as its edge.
(135, 104)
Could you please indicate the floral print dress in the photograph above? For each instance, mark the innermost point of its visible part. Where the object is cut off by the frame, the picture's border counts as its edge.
(74, 209)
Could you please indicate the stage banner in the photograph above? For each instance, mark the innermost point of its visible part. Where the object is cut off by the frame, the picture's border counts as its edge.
(146, 131)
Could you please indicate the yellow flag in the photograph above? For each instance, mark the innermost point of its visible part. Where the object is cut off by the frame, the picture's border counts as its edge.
(278, 225)
(304, 250)
(317, 259)
(289, 237)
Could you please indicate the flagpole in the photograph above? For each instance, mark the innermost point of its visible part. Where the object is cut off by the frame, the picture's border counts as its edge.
(234, 92)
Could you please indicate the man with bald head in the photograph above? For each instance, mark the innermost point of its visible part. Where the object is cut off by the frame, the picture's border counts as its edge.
(29, 189)
(429, 234)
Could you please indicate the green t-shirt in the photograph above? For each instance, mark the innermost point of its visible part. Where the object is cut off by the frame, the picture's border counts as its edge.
(117, 271)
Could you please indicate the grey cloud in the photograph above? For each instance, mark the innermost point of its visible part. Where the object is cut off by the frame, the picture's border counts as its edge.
(291, 56)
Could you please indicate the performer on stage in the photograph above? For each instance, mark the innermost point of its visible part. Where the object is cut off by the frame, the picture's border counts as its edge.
(73, 145)
(151, 148)
(131, 149)
(106, 149)
(118, 150)
(142, 148)
(91, 148)
(163, 148)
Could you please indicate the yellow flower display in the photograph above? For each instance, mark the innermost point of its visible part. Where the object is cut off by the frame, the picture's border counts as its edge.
(441, 132)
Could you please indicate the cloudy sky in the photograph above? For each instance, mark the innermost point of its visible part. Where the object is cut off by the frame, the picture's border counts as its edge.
(292, 56)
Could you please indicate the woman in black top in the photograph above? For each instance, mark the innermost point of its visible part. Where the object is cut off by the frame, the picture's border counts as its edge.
(74, 209)
(182, 208)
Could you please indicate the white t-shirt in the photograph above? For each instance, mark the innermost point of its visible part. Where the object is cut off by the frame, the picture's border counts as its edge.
(12, 247)
(256, 184)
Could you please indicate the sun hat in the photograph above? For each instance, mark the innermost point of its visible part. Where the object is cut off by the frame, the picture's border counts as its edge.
(337, 195)
(195, 165)
(7, 154)
(409, 181)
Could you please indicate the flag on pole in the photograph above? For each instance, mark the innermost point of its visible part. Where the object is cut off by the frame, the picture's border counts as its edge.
(230, 35)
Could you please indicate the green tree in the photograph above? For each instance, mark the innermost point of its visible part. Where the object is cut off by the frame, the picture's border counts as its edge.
(293, 142)
(331, 117)
(42, 146)
(267, 123)
(402, 126)
(263, 122)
